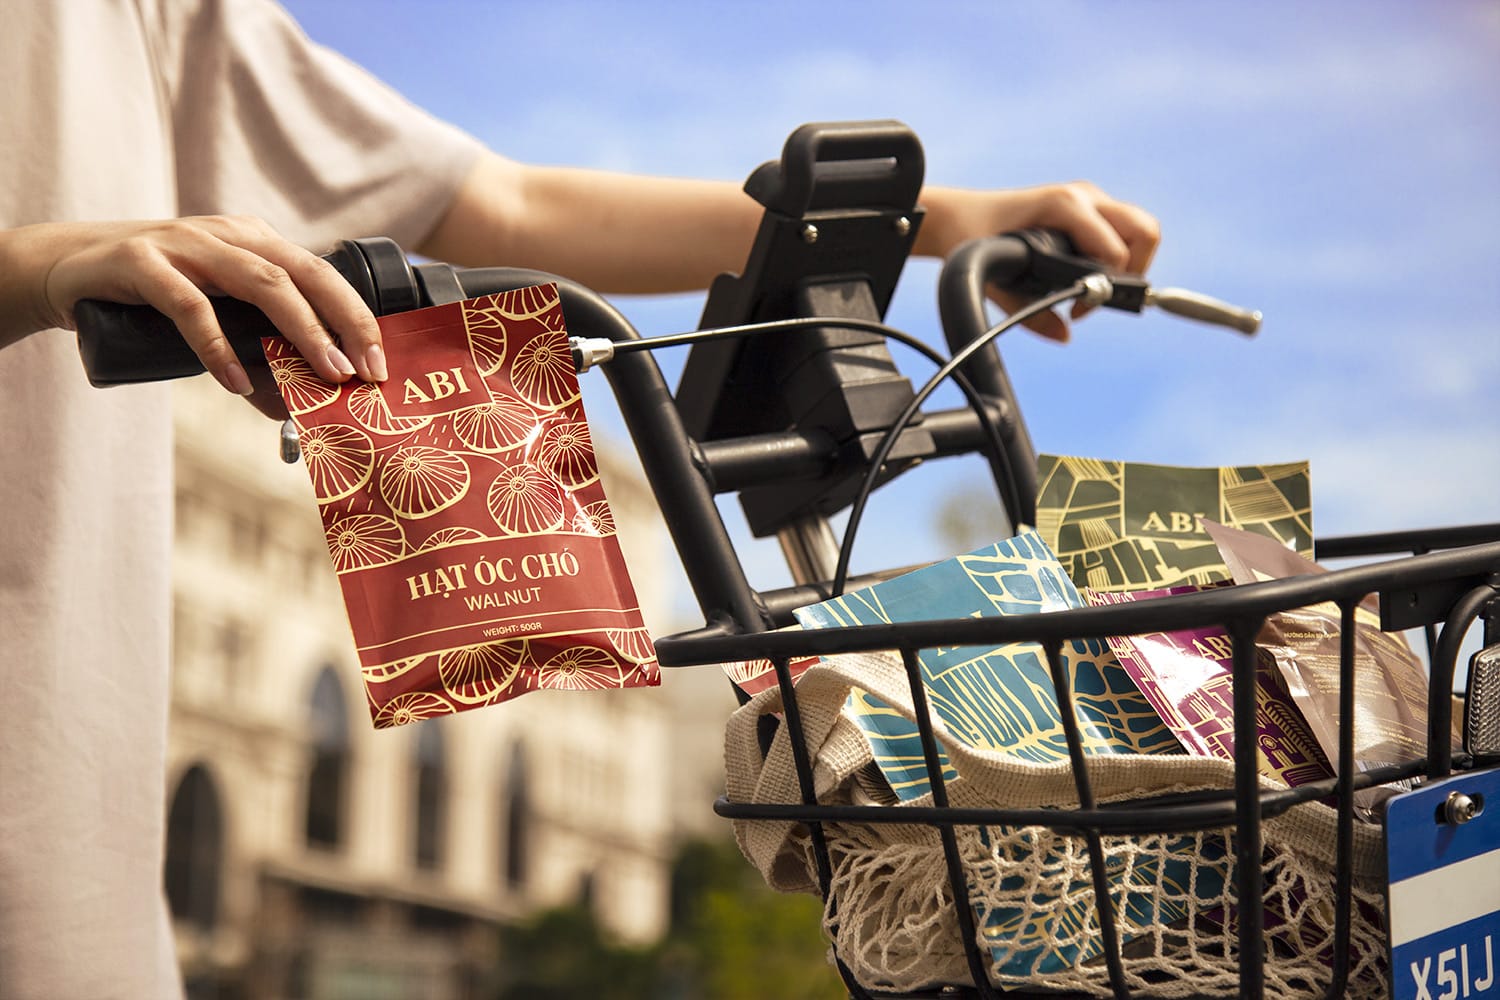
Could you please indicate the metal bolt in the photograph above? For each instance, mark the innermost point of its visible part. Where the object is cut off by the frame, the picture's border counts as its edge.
(291, 445)
(1097, 289)
(903, 226)
(809, 233)
(1459, 808)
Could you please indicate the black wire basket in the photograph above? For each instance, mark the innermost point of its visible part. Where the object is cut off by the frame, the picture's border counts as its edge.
(1445, 591)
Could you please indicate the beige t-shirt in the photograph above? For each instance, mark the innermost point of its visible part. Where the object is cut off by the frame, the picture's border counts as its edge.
(140, 109)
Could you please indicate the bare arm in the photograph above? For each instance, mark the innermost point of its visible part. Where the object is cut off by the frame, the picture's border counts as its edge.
(613, 232)
(628, 233)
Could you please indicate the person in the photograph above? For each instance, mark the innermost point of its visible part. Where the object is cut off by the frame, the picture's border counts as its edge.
(161, 151)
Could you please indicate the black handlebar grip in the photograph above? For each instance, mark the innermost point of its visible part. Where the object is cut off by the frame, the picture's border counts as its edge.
(122, 344)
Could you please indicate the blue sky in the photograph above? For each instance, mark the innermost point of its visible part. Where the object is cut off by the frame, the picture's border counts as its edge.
(1335, 165)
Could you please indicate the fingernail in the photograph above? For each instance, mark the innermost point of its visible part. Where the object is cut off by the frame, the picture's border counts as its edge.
(375, 361)
(340, 362)
(235, 380)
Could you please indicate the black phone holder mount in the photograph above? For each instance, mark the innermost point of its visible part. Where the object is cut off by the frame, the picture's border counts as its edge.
(841, 217)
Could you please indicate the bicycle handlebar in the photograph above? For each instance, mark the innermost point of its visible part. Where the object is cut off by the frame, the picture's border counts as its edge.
(122, 344)
(1037, 262)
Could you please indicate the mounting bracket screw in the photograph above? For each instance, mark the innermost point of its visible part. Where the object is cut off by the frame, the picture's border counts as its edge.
(1459, 808)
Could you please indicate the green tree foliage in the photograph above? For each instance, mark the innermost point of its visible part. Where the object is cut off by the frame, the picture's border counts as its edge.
(970, 516)
(731, 938)
(561, 954)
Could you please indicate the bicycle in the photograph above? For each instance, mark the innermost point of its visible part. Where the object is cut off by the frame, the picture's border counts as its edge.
(790, 398)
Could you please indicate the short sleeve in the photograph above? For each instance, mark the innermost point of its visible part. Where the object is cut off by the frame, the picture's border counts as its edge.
(266, 122)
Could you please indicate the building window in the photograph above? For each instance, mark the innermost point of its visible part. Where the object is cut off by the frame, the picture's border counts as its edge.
(431, 795)
(516, 820)
(234, 639)
(248, 534)
(195, 848)
(328, 777)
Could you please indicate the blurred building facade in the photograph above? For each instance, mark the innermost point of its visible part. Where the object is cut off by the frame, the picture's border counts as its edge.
(311, 856)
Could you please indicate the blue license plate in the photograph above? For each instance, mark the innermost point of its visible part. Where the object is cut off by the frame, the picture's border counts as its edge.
(1443, 890)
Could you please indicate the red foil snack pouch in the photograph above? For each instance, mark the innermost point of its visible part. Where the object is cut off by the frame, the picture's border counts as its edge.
(1187, 676)
(754, 676)
(463, 511)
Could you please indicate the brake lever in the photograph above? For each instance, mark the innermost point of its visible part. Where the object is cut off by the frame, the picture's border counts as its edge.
(1205, 309)
(1053, 263)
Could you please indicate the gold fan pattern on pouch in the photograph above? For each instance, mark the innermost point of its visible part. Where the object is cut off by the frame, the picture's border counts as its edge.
(524, 501)
(634, 644)
(339, 459)
(568, 450)
(367, 405)
(527, 302)
(742, 672)
(499, 425)
(445, 537)
(301, 388)
(595, 519)
(474, 675)
(485, 322)
(411, 707)
(417, 481)
(544, 374)
(382, 672)
(359, 541)
(580, 668)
